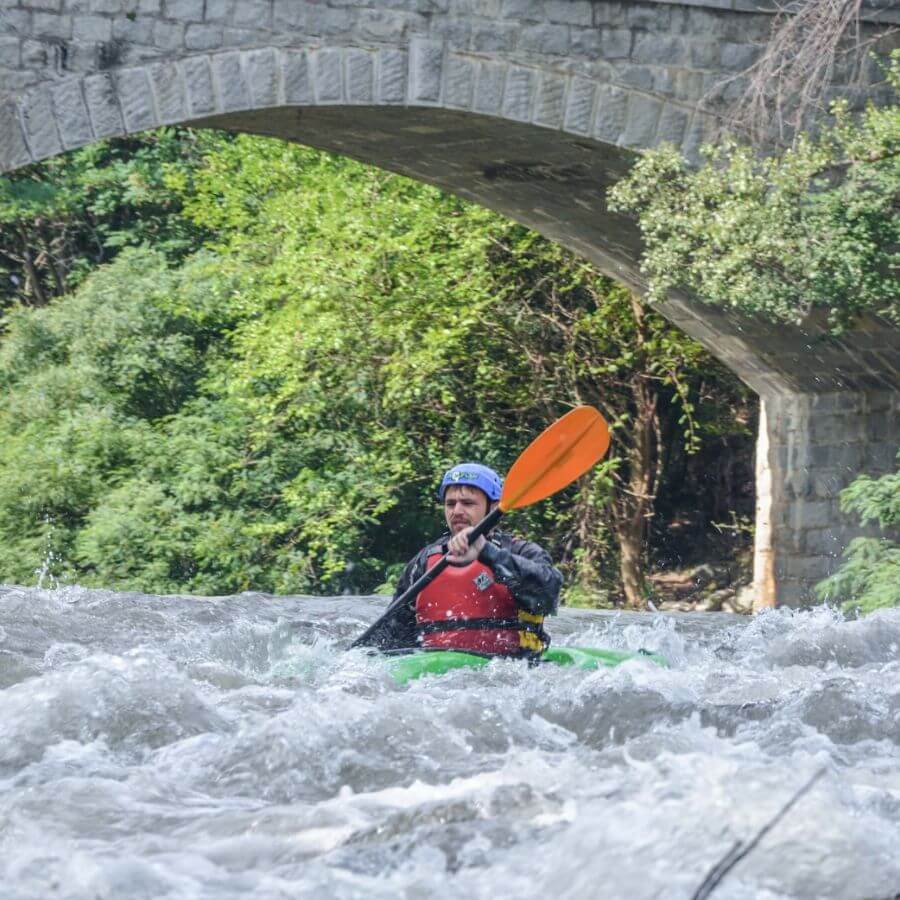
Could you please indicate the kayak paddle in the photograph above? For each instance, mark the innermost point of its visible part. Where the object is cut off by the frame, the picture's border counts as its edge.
(553, 460)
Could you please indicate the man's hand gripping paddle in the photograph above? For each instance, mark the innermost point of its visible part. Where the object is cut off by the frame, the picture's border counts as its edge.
(552, 461)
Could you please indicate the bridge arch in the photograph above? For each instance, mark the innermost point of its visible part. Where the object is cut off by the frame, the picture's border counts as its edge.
(533, 110)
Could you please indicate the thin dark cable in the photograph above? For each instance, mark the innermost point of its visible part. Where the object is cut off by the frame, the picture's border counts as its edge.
(740, 850)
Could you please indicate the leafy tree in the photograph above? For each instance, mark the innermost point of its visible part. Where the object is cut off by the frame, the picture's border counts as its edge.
(274, 412)
(62, 218)
(870, 577)
(813, 227)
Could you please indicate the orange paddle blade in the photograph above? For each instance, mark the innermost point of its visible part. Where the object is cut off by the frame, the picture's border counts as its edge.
(556, 457)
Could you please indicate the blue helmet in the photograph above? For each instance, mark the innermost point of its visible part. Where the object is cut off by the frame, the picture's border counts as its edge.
(473, 475)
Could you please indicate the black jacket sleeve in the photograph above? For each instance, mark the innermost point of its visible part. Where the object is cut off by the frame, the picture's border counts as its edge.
(526, 569)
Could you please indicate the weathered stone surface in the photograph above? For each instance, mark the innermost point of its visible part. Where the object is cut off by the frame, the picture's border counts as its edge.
(103, 105)
(297, 82)
(489, 88)
(329, 76)
(228, 76)
(136, 99)
(551, 101)
(71, 113)
(198, 81)
(520, 86)
(168, 89)
(393, 69)
(262, 77)
(426, 70)
(40, 124)
(580, 105)
(360, 76)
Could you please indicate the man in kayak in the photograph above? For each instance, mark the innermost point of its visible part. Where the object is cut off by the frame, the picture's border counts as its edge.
(493, 596)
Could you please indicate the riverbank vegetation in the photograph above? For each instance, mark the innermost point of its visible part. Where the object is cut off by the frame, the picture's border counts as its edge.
(816, 226)
(240, 364)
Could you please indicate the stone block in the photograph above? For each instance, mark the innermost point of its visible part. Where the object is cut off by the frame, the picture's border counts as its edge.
(199, 86)
(552, 40)
(460, 86)
(228, 77)
(149, 7)
(523, 10)
(641, 78)
(329, 76)
(10, 52)
(660, 50)
(263, 77)
(36, 54)
(219, 11)
(612, 113)
(203, 37)
(360, 75)
(103, 105)
(586, 42)
(569, 12)
(136, 99)
(615, 43)
(253, 14)
(92, 28)
(738, 57)
(489, 87)
(168, 89)
(392, 71)
(580, 106)
(704, 54)
(296, 75)
(551, 101)
(40, 124)
(499, 38)
(52, 25)
(455, 34)
(168, 35)
(110, 7)
(136, 31)
(327, 21)
(183, 10)
(648, 17)
(72, 118)
(642, 120)
(426, 60)
(673, 124)
(288, 15)
(239, 37)
(519, 93)
(381, 25)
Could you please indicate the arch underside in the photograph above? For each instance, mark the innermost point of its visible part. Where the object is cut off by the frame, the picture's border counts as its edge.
(556, 183)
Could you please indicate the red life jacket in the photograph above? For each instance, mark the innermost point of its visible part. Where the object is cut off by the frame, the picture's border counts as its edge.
(466, 609)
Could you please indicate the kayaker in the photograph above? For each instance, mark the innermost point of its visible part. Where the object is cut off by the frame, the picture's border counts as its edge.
(494, 595)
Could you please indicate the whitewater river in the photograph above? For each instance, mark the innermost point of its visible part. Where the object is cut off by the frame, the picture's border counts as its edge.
(213, 748)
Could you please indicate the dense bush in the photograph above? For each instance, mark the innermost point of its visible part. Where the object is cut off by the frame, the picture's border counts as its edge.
(273, 411)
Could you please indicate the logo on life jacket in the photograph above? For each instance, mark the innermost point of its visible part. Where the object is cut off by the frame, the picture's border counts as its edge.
(483, 581)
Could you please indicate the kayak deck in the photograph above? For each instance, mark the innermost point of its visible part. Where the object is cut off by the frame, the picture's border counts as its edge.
(409, 666)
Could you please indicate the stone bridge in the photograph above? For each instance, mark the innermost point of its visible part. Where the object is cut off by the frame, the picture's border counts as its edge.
(530, 107)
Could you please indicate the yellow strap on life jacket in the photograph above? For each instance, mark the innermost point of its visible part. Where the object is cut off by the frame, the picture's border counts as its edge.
(528, 640)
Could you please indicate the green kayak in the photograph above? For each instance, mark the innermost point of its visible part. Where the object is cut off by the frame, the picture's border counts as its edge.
(409, 666)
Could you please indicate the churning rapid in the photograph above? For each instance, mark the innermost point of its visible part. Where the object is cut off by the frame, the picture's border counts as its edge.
(211, 748)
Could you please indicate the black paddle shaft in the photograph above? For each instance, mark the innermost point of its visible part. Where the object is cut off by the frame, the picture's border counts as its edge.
(485, 525)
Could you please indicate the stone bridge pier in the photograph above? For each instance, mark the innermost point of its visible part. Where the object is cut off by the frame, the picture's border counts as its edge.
(530, 107)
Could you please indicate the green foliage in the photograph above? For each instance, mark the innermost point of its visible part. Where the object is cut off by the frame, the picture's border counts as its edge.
(815, 227)
(61, 219)
(273, 412)
(870, 577)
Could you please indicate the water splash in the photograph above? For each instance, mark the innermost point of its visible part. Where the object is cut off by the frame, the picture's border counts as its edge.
(199, 747)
